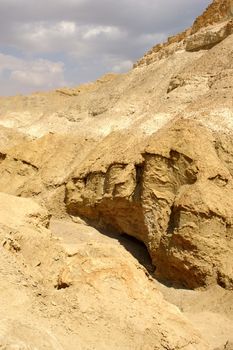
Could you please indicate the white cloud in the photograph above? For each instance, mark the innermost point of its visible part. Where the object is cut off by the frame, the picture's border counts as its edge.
(122, 66)
(89, 36)
(7, 62)
(40, 37)
(111, 32)
(62, 36)
(29, 74)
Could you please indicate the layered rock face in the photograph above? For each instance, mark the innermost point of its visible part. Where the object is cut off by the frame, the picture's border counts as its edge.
(217, 11)
(143, 156)
(176, 198)
(52, 286)
(148, 154)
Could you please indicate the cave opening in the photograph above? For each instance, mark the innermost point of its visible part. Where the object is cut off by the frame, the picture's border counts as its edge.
(138, 250)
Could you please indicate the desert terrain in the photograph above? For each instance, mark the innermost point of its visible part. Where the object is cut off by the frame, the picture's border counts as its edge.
(116, 215)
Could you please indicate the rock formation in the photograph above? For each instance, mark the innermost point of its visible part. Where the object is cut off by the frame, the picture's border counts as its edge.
(95, 270)
(147, 154)
(213, 26)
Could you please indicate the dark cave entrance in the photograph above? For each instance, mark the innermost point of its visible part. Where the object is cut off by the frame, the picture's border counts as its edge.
(135, 247)
(139, 251)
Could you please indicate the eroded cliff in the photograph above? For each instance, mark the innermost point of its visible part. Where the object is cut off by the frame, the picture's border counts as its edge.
(148, 154)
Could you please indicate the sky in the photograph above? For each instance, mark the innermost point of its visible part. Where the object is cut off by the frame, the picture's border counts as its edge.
(47, 44)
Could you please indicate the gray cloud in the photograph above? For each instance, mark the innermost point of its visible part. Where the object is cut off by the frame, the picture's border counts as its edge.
(90, 37)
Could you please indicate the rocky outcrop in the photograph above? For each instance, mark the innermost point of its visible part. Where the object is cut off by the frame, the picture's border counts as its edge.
(24, 211)
(130, 164)
(59, 280)
(207, 38)
(125, 168)
(164, 50)
(217, 11)
(41, 167)
(209, 29)
(173, 200)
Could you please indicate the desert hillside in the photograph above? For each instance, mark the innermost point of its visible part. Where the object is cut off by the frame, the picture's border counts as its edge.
(116, 215)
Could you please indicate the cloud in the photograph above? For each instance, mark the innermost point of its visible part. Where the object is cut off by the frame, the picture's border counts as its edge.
(89, 37)
(108, 31)
(29, 75)
(122, 66)
(146, 14)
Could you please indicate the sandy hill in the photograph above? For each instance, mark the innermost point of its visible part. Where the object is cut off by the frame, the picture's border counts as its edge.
(116, 220)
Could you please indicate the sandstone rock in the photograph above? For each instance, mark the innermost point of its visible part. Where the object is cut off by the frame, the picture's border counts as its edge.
(227, 346)
(101, 268)
(39, 167)
(217, 11)
(24, 211)
(171, 201)
(205, 32)
(135, 312)
(149, 154)
(9, 138)
(18, 336)
(146, 186)
(207, 38)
